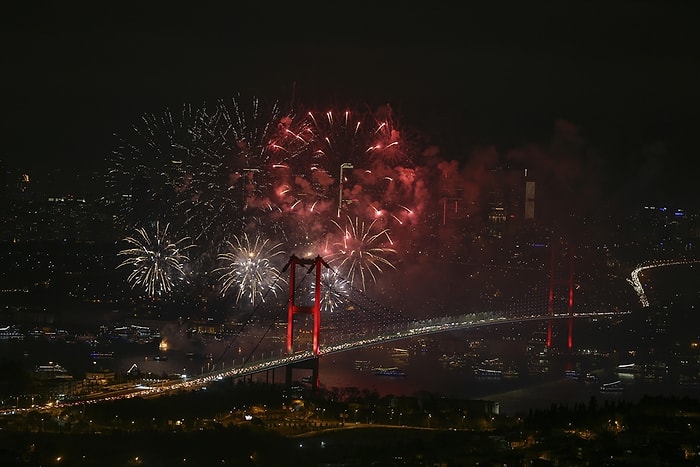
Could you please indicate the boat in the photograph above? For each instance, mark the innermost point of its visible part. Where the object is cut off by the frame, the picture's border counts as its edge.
(100, 355)
(488, 373)
(388, 371)
(629, 369)
(51, 371)
(361, 364)
(591, 378)
(613, 386)
(198, 356)
(10, 332)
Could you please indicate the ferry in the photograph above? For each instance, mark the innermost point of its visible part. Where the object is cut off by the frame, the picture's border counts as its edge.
(100, 355)
(51, 371)
(198, 356)
(629, 369)
(388, 371)
(361, 364)
(613, 386)
(590, 378)
(488, 373)
(10, 332)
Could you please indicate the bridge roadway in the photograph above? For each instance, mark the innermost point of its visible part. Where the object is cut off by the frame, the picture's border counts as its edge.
(146, 389)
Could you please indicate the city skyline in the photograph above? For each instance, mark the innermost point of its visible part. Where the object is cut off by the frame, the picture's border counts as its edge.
(502, 198)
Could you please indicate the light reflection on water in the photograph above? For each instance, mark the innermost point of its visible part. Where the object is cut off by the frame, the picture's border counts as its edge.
(425, 372)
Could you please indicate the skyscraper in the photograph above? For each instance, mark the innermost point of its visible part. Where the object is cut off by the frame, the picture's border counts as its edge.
(529, 198)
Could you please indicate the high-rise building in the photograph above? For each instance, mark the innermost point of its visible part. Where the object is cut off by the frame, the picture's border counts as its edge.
(3, 182)
(529, 199)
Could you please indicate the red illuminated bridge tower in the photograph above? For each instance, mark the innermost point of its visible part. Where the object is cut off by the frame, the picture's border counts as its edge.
(558, 277)
(314, 310)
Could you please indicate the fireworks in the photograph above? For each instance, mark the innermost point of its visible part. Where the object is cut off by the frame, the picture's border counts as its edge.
(361, 254)
(249, 269)
(158, 263)
(334, 290)
(209, 167)
(365, 139)
(215, 171)
(376, 178)
(149, 167)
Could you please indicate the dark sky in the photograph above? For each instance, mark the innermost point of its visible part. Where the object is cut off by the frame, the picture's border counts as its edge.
(625, 74)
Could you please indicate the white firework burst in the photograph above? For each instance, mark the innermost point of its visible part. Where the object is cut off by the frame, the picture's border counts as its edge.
(249, 269)
(334, 290)
(157, 262)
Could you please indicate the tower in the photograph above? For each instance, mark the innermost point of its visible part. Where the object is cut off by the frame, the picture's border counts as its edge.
(556, 281)
(315, 310)
(529, 198)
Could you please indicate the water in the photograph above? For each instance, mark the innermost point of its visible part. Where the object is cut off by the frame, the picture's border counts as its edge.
(426, 369)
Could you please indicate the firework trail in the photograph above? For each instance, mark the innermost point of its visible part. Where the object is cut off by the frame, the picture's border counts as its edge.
(360, 253)
(249, 269)
(158, 263)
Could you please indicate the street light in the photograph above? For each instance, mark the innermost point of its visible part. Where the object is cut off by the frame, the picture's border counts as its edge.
(343, 166)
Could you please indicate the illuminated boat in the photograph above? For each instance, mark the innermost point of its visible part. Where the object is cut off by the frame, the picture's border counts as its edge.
(10, 332)
(100, 355)
(488, 373)
(613, 386)
(399, 353)
(51, 371)
(388, 371)
(629, 368)
(591, 378)
(361, 364)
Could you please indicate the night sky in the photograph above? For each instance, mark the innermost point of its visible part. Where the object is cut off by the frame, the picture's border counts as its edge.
(621, 78)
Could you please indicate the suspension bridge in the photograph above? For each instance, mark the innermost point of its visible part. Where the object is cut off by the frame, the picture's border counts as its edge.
(308, 334)
(297, 336)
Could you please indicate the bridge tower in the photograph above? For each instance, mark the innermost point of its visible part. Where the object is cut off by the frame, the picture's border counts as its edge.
(314, 310)
(556, 280)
